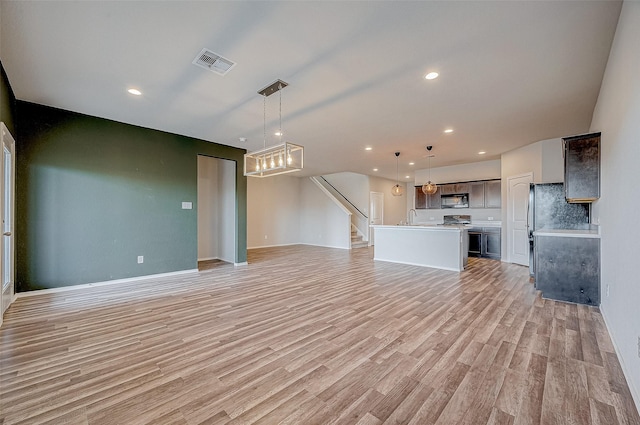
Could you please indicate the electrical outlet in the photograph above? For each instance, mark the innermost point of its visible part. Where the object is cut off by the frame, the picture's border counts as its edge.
(607, 290)
(265, 237)
(140, 259)
(432, 218)
(490, 218)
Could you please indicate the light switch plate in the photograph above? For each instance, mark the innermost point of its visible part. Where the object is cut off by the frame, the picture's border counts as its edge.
(187, 205)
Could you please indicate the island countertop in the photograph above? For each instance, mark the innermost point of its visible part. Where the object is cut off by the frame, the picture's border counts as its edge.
(442, 247)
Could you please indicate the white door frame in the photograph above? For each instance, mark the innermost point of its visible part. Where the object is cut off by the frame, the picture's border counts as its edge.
(510, 221)
(7, 259)
(372, 213)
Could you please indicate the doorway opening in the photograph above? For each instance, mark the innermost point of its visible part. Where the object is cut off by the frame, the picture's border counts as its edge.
(216, 212)
(7, 208)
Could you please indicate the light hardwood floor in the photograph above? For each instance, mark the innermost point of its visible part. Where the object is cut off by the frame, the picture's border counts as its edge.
(308, 335)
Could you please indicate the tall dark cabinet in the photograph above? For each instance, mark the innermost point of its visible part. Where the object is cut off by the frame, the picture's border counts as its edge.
(582, 167)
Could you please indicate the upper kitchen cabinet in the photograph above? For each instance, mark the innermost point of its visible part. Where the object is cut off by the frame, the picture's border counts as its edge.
(423, 201)
(582, 167)
(420, 198)
(454, 188)
(476, 195)
(493, 194)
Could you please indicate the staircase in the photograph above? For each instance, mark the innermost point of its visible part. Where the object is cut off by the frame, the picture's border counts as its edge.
(356, 241)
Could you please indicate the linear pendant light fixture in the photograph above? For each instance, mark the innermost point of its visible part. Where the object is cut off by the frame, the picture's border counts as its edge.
(278, 159)
(397, 189)
(429, 188)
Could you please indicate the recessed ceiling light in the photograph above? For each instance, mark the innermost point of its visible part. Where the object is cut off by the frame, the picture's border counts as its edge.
(407, 177)
(481, 153)
(449, 130)
(431, 75)
(135, 92)
(277, 133)
(368, 148)
(375, 169)
(412, 163)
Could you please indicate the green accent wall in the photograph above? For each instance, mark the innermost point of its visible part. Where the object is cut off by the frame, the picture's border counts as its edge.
(94, 194)
(7, 103)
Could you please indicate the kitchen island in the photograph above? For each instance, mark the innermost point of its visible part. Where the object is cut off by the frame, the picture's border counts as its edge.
(440, 247)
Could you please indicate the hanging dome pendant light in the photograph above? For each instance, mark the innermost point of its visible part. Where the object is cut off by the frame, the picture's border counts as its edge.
(397, 189)
(429, 188)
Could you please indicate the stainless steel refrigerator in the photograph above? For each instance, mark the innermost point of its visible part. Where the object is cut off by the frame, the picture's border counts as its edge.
(549, 209)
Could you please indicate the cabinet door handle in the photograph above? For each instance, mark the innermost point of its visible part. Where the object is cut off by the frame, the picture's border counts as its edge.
(6, 234)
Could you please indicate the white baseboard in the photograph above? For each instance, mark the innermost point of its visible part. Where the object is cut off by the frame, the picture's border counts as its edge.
(244, 263)
(635, 394)
(273, 246)
(208, 258)
(108, 282)
(325, 246)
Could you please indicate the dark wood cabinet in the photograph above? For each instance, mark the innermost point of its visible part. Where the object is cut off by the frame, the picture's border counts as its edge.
(582, 167)
(568, 268)
(492, 243)
(447, 189)
(476, 195)
(434, 201)
(493, 194)
(485, 242)
(482, 194)
(423, 201)
(420, 199)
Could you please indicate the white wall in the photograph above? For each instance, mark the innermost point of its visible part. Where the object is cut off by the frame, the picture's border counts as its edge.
(273, 211)
(617, 116)
(207, 208)
(355, 187)
(395, 207)
(322, 221)
(483, 170)
(543, 159)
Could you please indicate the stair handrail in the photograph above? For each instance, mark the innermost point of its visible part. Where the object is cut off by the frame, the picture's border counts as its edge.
(344, 197)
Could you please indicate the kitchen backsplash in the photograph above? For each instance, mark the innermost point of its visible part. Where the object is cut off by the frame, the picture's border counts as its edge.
(477, 214)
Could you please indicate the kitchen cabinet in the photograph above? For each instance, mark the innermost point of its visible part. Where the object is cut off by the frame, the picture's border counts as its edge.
(485, 242)
(493, 194)
(568, 268)
(482, 194)
(423, 201)
(420, 199)
(476, 195)
(454, 188)
(447, 189)
(582, 167)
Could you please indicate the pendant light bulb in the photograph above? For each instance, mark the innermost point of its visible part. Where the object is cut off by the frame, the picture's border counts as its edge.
(429, 188)
(397, 189)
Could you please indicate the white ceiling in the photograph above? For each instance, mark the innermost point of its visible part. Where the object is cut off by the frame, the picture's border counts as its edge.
(511, 73)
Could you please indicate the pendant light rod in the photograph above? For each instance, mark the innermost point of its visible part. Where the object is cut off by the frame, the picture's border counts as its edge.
(396, 190)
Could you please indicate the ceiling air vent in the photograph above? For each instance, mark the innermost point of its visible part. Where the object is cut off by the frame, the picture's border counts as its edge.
(213, 62)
